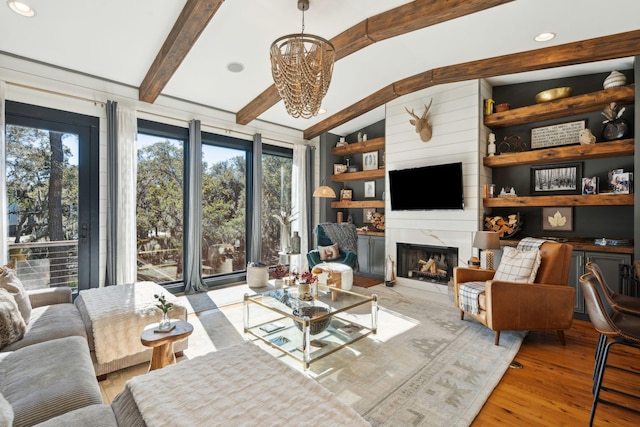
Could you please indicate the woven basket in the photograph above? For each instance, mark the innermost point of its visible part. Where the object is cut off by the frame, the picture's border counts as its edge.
(257, 277)
(312, 312)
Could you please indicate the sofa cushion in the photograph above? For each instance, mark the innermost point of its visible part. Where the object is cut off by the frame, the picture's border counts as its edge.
(10, 282)
(6, 412)
(51, 322)
(48, 379)
(95, 416)
(12, 324)
(328, 253)
(518, 266)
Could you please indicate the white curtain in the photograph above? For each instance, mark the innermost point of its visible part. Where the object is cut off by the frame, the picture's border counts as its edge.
(122, 129)
(193, 227)
(3, 178)
(299, 205)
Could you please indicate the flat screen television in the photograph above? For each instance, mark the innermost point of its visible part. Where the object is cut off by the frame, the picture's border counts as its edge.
(427, 188)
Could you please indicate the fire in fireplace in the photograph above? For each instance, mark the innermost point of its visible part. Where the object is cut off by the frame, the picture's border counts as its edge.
(427, 263)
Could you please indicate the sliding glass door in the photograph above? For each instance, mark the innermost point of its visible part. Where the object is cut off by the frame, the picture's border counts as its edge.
(52, 186)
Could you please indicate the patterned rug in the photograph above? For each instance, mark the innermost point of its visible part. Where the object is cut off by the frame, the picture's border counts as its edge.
(425, 367)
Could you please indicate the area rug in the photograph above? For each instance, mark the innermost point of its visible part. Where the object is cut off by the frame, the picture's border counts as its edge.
(425, 367)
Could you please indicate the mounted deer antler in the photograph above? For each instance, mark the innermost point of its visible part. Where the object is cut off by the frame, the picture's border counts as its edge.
(423, 127)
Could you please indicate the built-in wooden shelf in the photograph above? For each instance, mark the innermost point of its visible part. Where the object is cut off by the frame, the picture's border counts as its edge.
(571, 200)
(359, 147)
(583, 244)
(348, 204)
(358, 176)
(620, 148)
(371, 233)
(566, 107)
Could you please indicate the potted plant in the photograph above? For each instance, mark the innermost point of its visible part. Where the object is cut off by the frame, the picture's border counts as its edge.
(279, 272)
(304, 281)
(165, 307)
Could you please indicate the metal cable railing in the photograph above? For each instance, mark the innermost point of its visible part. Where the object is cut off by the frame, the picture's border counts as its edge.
(41, 265)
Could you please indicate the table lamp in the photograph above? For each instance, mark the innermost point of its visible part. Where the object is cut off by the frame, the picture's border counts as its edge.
(485, 241)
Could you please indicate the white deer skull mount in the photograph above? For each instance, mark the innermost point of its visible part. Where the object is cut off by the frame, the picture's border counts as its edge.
(422, 125)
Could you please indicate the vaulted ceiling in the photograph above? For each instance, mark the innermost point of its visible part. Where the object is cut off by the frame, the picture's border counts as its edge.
(385, 48)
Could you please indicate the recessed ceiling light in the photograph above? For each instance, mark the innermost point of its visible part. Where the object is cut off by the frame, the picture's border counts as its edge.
(322, 110)
(544, 37)
(235, 67)
(21, 8)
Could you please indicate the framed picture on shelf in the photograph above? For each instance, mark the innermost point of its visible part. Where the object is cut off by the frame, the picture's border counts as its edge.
(346, 194)
(370, 161)
(339, 168)
(623, 183)
(562, 178)
(557, 219)
(367, 215)
(589, 186)
(370, 189)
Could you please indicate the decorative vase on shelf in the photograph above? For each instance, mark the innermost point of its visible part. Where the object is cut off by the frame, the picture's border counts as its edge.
(615, 79)
(295, 243)
(165, 323)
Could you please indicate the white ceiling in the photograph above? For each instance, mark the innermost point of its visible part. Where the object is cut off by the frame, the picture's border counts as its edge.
(119, 39)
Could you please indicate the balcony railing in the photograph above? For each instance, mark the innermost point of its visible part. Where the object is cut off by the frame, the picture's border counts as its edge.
(46, 264)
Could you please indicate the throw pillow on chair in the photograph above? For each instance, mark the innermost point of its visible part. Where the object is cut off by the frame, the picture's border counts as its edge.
(328, 253)
(518, 266)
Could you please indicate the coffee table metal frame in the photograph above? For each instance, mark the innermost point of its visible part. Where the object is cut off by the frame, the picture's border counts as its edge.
(297, 343)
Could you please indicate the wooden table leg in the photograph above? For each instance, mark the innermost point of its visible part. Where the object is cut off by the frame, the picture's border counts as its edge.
(162, 356)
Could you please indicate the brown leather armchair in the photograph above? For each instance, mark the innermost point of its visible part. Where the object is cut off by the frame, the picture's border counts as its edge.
(545, 304)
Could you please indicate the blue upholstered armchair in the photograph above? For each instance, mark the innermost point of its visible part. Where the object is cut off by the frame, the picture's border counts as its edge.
(345, 235)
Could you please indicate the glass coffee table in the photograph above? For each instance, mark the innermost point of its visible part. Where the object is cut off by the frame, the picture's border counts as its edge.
(309, 329)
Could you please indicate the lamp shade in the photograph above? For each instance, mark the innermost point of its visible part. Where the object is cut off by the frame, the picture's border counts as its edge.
(324, 191)
(486, 240)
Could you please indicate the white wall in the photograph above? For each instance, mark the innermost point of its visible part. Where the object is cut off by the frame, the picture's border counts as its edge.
(456, 116)
(41, 85)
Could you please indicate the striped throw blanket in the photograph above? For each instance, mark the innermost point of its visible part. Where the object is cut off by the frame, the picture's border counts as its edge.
(469, 296)
(530, 243)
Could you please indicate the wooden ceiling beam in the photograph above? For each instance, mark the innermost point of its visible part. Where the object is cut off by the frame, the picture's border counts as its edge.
(592, 50)
(193, 19)
(400, 20)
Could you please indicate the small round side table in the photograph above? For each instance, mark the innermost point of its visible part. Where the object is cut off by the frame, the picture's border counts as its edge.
(162, 342)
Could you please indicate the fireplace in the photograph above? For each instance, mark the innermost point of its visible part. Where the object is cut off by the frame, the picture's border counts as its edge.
(426, 263)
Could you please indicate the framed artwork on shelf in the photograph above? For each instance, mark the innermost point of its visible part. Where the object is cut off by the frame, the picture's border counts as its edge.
(370, 161)
(339, 168)
(556, 135)
(346, 194)
(367, 215)
(557, 219)
(370, 189)
(562, 178)
(590, 186)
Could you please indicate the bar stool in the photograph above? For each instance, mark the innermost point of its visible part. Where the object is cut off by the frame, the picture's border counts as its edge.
(623, 303)
(614, 327)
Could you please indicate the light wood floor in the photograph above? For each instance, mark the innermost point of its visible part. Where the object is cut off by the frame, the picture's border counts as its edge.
(553, 388)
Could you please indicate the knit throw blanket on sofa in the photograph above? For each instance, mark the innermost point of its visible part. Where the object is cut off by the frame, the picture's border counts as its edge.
(120, 313)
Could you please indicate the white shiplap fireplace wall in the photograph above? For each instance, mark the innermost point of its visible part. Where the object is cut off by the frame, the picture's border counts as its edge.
(456, 117)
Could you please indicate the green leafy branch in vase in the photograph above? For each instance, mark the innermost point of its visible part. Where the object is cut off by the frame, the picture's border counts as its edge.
(163, 304)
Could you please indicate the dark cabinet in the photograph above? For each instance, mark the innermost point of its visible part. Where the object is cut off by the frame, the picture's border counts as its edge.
(609, 263)
(371, 256)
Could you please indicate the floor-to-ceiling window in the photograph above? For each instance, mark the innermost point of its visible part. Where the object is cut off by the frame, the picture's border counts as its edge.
(160, 195)
(225, 165)
(227, 203)
(276, 204)
(52, 186)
